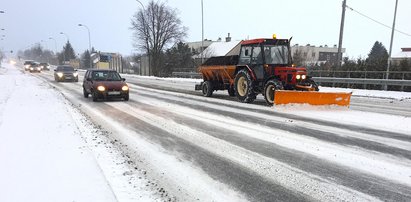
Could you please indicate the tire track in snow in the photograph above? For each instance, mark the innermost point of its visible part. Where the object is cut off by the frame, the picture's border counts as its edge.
(357, 180)
(297, 129)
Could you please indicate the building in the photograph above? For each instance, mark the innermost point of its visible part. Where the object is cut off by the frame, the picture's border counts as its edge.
(312, 55)
(103, 60)
(405, 54)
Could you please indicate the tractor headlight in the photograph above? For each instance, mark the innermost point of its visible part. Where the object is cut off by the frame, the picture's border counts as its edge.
(60, 74)
(75, 74)
(298, 77)
(303, 77)
(124, 88)
(101, 88)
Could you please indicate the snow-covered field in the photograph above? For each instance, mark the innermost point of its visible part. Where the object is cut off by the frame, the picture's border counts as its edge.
(197, 148)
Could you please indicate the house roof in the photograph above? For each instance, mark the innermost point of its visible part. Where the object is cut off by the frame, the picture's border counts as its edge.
(405, 53)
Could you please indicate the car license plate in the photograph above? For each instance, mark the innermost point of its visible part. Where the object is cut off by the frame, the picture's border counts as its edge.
(114, 93)
(68, 77)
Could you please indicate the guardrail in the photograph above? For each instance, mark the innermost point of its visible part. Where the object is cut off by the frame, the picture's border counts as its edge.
(403, 75)
(332, 81)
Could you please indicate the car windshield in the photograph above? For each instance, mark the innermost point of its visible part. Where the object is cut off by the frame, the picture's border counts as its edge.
(65, 68)
(276, 54)
(106, 76)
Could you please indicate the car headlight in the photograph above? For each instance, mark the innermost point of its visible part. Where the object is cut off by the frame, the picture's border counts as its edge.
(31, 68)
(124, 88)
(75, 74)
(101, 88)
(60, 74)
(303, 77)
(298, 77)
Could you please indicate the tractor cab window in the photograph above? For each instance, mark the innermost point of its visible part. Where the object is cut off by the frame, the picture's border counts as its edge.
(245, 56)
(257, 57)
(276, 54)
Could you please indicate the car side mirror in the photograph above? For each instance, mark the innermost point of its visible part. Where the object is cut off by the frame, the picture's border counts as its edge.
(55, 70)
(75, 70)
(123, 79)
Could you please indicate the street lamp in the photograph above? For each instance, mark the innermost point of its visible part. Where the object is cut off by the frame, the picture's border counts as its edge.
(141, 4)
(148, 48)
(68, 39)
(55, 44)
(89, 42)
(64, 52)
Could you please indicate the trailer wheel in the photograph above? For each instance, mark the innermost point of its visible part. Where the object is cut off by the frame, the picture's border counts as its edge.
(244, 86)
(269, 89)
(231, 91)
(207, 88)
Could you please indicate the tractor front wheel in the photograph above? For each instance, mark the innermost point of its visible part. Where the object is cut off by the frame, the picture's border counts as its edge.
(269, 90)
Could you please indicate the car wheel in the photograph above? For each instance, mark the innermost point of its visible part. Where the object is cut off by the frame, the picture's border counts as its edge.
(95, 96)
(85, 93)
(126, 97)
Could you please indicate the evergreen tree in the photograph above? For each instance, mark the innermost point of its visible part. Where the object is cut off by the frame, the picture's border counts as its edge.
(178, 57)
(85, 60)
(67, 54)
(377, 58)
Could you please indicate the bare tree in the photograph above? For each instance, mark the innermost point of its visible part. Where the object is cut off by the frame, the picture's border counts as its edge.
(155, 27)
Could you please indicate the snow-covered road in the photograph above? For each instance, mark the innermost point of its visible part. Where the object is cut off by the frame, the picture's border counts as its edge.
(217, 149)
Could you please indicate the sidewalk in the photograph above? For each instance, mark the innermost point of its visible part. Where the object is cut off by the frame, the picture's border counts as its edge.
(42, 155)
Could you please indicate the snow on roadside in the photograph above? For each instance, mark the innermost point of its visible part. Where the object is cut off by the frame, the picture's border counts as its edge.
(371, 93)
(49, 151)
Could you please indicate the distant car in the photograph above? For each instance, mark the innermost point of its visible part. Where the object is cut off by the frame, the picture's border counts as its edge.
(27, 64)
(104, 84)
(45, 66)
(65, 73)
(35, 67)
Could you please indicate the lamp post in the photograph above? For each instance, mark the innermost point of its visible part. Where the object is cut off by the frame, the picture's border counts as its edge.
(55, 44)
(89, 42)
(64, 52)
(148, 48)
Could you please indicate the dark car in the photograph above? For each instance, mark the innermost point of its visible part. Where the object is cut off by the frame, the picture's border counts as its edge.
(65, 73)
(35, 67)
(104, 84)
(45, 66)
(27, 64)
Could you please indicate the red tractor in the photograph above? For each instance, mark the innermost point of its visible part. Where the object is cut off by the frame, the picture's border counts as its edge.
(264, 66)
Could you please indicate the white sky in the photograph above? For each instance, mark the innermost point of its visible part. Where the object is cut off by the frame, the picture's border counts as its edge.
(314, 22)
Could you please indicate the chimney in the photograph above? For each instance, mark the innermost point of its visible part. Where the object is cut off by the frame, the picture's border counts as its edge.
(228, 38)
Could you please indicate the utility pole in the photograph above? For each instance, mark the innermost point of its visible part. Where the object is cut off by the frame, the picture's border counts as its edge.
(202, 32)
(392, 39)
(339, 54)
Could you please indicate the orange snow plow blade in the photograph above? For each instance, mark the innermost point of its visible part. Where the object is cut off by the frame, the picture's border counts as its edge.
(311, 97)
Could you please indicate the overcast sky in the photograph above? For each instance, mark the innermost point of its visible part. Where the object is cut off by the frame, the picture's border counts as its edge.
(314, 22)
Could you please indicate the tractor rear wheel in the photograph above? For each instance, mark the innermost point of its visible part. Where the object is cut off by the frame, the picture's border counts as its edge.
(207, 88)
(269, 90)
(244, 86)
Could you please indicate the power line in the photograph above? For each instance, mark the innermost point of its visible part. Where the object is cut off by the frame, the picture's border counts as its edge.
(376, 21)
